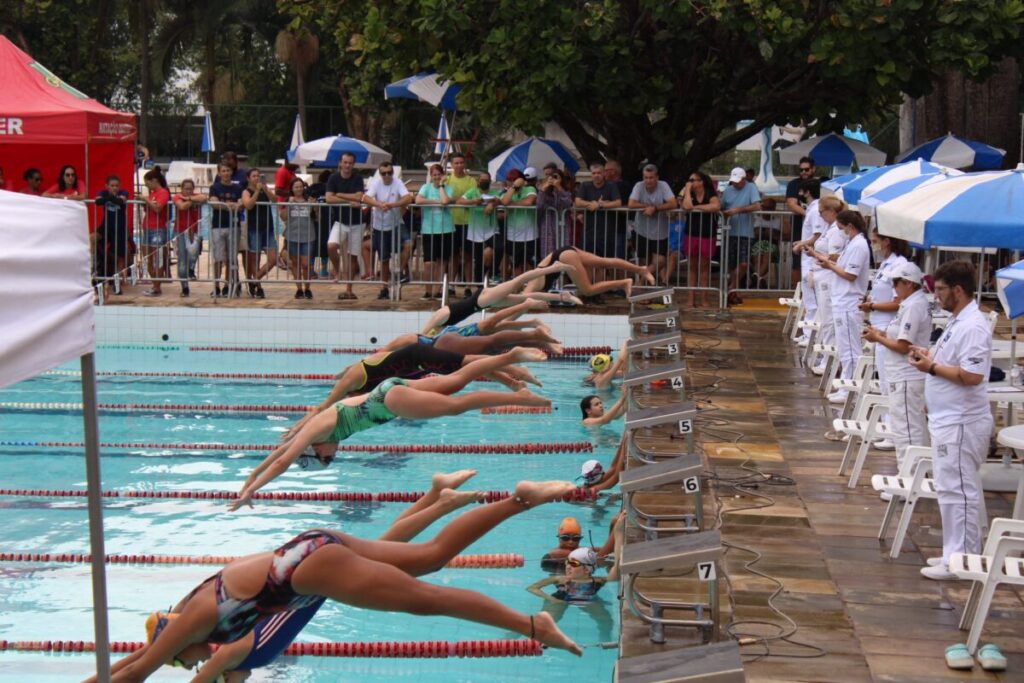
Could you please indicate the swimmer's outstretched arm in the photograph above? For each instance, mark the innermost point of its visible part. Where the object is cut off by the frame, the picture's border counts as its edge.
(604, 379)
(349, 379)
(537, 588)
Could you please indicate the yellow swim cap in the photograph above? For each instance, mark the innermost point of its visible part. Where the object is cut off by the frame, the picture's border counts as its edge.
(600, 362)
(156, 623)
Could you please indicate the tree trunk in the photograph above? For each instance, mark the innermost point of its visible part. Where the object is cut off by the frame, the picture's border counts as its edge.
(146, 75)
(300, 87)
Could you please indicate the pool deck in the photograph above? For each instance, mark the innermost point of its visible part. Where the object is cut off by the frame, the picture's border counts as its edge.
(876, 619)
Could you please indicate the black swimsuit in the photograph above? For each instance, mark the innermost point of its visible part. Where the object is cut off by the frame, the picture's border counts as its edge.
(463, 308)
(410, 362)
(551, 278)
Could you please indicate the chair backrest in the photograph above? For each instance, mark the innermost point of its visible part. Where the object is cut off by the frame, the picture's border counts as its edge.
(911, 456)
(992, 317)
(1000, 527)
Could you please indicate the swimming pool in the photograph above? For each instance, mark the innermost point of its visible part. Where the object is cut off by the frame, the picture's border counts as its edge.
(53, 601)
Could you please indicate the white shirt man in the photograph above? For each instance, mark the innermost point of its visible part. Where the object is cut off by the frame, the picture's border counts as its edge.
(959, 418)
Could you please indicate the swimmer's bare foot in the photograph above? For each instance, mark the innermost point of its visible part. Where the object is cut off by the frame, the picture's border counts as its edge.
(524, 375)
(629, 288)
(566, 267)
(567, 297)
(523, 354)
(555, 349)
(649, 277)
(533, 493)
(537, 304)
(546, 631)
(451, 480)
(525, 397)
(453, 500)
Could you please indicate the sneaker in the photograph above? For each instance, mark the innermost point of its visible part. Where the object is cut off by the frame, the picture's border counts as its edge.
(818, 370)
(192, 274)
(260, 294)
(427, 296)
(299, 294)
(384, 293)
(938, 573)
(734, 299)
(884, 445)
(466, 293)
(404, 278)
(308, 293)
(933, 561)
(837, 397)
(184, 290)
(152, 292)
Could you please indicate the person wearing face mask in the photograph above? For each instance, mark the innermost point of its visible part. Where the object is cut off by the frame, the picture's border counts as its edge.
(481, 226)
(881, 304)
(830, 243)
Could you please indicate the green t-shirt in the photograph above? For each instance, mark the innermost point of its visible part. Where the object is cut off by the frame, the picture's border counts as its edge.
(481, 226)
(456, 188)
(521, 224)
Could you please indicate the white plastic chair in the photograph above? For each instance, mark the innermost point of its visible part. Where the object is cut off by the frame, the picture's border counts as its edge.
(795, 312)
(866, 427)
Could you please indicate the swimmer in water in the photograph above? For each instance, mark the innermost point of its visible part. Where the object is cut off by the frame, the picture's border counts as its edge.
(418, 399)
(320, 564)
(605, 370)
(578, 584)
(594, 413)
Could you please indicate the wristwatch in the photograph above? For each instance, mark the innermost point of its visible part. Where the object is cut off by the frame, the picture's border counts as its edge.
(931, 369)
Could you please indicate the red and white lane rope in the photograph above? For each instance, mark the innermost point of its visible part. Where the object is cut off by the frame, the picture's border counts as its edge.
(199, 375)
(432, 649)
(160, 407)
(579, 494)
(482, 561)
(517, 410)
(567, 352)
(474, 448)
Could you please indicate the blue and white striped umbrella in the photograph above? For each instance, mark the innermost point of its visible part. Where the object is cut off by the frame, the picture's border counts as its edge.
(868, 205)
(426, 86)
(878, 179)
(297, 137)
(534, 152)
(443, 138)
(207, 145)
(326, 152)
(833, 150)
(957, 153)
(971, 210)
(1010, 283)
(831, 186)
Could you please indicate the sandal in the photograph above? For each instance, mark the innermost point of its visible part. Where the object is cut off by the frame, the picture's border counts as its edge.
(957, 657)
(990, 658)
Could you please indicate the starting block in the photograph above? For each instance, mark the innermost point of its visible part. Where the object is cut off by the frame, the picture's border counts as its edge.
(714, 663)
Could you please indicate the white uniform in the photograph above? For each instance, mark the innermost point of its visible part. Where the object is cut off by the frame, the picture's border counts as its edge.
(813, 224)
(846, 296)
(831, 242)
(882, 293)
(913, 323)
(960, 425)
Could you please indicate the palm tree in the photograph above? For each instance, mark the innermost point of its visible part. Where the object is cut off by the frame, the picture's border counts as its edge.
(299, 49)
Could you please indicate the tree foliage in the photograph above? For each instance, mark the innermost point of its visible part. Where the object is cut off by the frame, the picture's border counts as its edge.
(669, 79)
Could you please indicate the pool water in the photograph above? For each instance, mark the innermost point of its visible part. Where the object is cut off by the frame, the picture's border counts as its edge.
(54, 601)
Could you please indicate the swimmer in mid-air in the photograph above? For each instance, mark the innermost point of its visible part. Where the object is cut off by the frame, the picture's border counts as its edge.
(417, 399)
(582, 262)
(320, 564)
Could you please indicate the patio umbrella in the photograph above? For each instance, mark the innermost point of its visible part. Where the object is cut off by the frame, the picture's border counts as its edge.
(869, 204)
(443, 143)
(833, 150)
(297, 137)
(326, 152)
(531, 152)
(971, 210)
(831, 186)
(1010, 288)
(956, 152)
(882, 177)
(426, 86)
(207, 145)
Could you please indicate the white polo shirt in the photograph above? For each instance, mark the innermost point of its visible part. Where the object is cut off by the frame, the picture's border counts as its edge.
(832, 242)
(967, 344)
(882, 291)
(813, 224)
(856, 260)
(912, 323)
(386, 193)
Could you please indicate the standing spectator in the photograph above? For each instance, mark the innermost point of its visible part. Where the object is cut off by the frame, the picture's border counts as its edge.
(520, 223)
(154, 226)
(258, 201)
(188, 215)
(34, 181)
(299, 234)
(224, 198)
(141, 156)
(316, 192)
(851, 272)
(700, 201)
(549, 169)
(806, 169)
(459, 183)
(553, 200)
(739, 201)
(68, 186)
(238, 175)
(656, 199)
(959, 417)
(437, 228)
(482, 227)
(388, 197)
(831, 242)
(620, 220)
(812, 227)
(346, 188)
(911, 326)
(112, 233)
(765, 249)
(600, 231)
(750, 174)
(283, 179)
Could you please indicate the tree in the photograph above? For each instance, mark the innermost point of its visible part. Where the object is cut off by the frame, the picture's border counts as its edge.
(300, 49)
(668, 81)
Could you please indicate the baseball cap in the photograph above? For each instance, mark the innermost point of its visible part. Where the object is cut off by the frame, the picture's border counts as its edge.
(737, 174)
(907, 271)
(529, 173)
(513, 175)
(591, 471)
(585, 556)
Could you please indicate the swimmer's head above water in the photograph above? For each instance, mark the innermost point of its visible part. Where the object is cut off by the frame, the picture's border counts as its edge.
(592, 406)
(569, 533)
(581, 563)
(600, 362)
(591, 472)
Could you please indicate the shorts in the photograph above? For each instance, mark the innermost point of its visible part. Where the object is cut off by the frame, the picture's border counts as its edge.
(382, 242)
(739, 250)
(521, 253)
(699, 247)
(219, 238)
(350, 235)
(299, 248)
(645, 247)
(154, 237)
(764, 247)
(459, 245)
(438, 247)
(261, 240)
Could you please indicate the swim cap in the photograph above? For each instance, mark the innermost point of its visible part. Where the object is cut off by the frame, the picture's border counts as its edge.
(600, 362)
(591, 472)
(309, 460)
(569, 525)
(585, 556)
(156, 623)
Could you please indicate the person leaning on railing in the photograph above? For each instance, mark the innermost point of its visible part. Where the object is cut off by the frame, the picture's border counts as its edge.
(186, 228)
(224, 198)
(520, 223)
(112, 238)
(300, 233)
(701, 204)
(655, 199)
(437, 228)
(259, 202)
(154, 230)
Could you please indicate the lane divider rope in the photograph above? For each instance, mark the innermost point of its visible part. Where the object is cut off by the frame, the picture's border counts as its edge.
(568, 351)
(576, 495)
(475, 448)
(480, 561)
(517, 410)
(198, 375)
(160, 407)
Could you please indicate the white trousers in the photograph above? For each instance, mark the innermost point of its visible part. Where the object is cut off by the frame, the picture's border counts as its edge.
(848, 324)
(906, 415)
(827, 333)
(959, 452)
(809, 298)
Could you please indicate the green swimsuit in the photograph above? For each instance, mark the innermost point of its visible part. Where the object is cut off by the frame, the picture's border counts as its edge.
(366, 415)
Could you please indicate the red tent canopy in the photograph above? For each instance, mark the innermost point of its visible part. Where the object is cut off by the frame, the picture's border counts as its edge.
(45, 123)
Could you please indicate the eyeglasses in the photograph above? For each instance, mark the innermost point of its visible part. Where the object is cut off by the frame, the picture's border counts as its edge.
(806, 169)
(69, 174)
(565, 538)
(387, 173)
